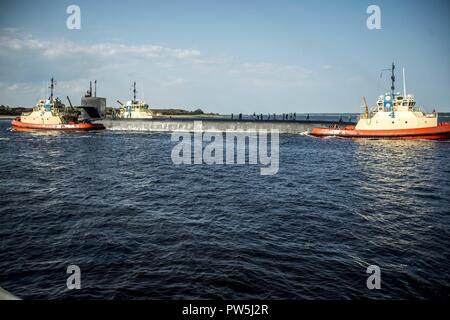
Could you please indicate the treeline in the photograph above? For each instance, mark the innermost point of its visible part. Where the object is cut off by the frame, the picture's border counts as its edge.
(8, 111)
(178, 112)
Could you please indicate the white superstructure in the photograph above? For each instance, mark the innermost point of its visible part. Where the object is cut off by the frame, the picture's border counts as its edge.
(135, 109)
(396, 111)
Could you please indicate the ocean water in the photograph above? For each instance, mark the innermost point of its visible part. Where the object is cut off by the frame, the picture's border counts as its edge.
(140, 227)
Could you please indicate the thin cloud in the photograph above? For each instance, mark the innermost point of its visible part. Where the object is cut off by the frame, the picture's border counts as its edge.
(173, 75)
(12, 40)
(174, 82)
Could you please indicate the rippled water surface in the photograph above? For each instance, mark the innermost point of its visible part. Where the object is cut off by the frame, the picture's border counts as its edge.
(140, 227)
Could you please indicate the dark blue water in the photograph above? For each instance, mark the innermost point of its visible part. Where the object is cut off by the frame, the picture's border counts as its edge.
(140, 227)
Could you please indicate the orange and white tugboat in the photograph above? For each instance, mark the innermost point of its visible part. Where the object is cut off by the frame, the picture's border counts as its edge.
(395, 116)
(135, 109)
(52, 114)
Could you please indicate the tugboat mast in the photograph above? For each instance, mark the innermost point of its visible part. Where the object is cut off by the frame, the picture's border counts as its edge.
(134, 91)
(52, 86)
(392, 79)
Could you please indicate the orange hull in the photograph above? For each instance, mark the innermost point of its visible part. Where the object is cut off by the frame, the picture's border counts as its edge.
(84, 126)
(441, 132)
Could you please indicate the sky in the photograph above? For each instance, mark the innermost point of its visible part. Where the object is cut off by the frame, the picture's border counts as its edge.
(226, 56)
